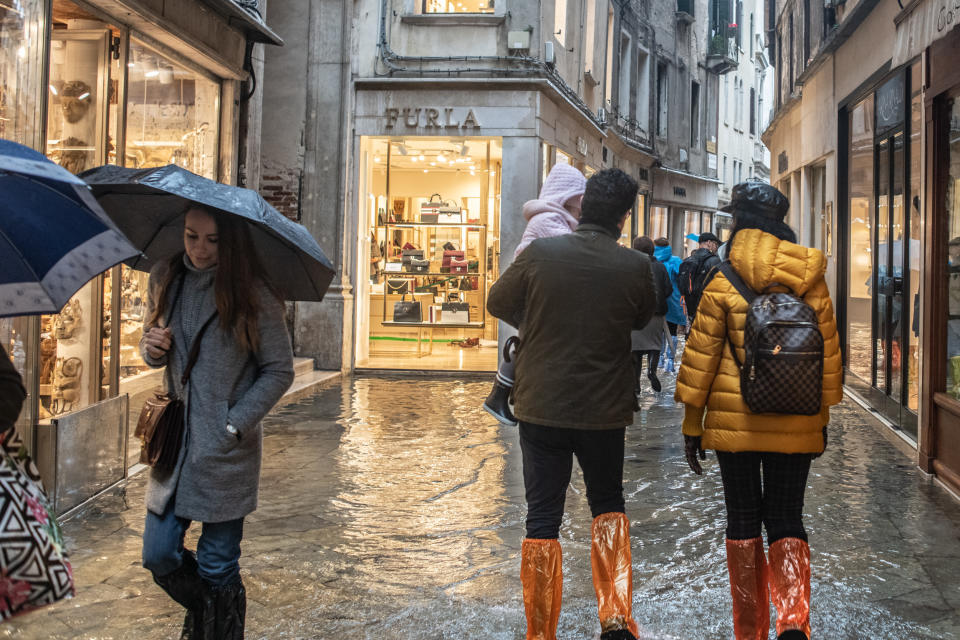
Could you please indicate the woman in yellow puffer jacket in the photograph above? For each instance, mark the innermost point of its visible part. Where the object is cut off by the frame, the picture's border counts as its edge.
(762, 251)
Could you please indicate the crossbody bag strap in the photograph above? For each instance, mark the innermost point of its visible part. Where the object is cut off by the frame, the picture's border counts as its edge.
(746, 292)
(195, 351)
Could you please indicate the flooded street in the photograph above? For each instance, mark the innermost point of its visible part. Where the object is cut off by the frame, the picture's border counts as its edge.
(393, 508)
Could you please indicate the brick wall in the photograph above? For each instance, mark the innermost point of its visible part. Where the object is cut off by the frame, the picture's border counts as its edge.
(280, 186)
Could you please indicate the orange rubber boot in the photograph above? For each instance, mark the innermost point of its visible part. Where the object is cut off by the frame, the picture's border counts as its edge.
(541, 573)
(613, 572)
(748, 586)
(790, 584)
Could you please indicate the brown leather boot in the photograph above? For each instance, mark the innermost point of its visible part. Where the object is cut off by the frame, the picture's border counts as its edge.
(613, 572)
(541, 573)
(748, 586)
(790, 584)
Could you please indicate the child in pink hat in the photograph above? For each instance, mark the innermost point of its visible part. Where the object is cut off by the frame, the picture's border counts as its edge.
(555, 213)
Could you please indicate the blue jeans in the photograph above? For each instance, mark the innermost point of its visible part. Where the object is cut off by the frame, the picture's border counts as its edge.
(218, 550)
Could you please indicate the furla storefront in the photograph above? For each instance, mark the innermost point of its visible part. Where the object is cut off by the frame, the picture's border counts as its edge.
(441, 176)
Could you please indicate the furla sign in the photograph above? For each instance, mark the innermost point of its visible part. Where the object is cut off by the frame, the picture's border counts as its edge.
(441, 118)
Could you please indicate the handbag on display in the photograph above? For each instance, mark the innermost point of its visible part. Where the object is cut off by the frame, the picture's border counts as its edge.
(458, 266)
(449, 246)
(411, 254)
(450, 218)
(161, 423)
(448, 255)
(33, 562)
(417, 266)
(398, 286)
(407, 311)
(453, 311)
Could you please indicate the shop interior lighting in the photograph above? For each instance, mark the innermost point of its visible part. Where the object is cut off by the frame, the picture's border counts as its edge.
(152, 74)
(402, 150)
(422, 157)
(84, 95)
(53, 90)
(464, 150)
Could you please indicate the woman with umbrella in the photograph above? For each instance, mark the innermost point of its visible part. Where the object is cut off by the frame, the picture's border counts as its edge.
(213, 291)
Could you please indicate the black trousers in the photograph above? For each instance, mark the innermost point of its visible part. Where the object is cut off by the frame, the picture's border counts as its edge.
(764, 490)
(653, 358)
(548, 462)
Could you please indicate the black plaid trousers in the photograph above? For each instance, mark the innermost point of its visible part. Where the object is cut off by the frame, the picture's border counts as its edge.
(771, 499)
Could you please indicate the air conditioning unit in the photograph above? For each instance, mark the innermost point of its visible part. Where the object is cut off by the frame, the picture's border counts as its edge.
(548, 55)
(602, 115)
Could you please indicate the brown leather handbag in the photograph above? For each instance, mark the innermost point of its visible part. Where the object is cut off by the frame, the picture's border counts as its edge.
(161, 422)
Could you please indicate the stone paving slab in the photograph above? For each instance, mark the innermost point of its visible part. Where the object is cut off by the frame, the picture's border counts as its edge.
(393, 508)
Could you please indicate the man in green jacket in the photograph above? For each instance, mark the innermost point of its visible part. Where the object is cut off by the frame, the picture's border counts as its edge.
(577, 297)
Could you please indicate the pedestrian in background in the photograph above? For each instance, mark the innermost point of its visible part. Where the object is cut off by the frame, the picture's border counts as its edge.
(213, 292)
(12, 393)
(696, 271)
(575, 299)
(647, 341)
(764, 457)
(675, 314)
(555, 213)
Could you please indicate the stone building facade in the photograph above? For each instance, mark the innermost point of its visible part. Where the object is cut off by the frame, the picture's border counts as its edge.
(381, 106)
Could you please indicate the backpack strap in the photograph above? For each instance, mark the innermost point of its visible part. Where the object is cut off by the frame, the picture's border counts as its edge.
(727, 269)
(748, 294)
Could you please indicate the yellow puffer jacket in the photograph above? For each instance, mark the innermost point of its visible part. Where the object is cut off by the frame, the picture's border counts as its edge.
(709, 378)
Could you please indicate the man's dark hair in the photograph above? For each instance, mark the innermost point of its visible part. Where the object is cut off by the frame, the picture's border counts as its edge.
(643, 244)
(661, 242)
(610, 194)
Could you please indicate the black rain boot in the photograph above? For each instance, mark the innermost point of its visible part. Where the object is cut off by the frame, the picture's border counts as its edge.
(188, 589)
(229, 610)
(618, 634)
(792, 634)
(497, 404)
(654, 381)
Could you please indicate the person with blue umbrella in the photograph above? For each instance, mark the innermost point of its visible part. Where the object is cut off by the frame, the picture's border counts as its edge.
(54, 238)
(221, 262)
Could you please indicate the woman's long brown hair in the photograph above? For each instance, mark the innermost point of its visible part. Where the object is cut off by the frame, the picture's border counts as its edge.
(238, 271)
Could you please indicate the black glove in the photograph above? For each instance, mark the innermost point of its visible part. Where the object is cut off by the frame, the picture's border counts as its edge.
(817, 455)
(692, 448)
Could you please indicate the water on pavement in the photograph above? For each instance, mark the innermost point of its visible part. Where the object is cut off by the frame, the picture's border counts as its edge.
(393, 508)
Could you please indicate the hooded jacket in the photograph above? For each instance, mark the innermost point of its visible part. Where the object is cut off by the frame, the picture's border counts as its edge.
(709, 380)
(675, 312)
(546, 216)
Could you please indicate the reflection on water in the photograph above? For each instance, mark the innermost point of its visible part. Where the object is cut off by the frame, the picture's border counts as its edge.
(418, 501)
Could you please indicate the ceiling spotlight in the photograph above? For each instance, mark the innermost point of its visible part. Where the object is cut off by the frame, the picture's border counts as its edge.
(422, 157)
(464, 150)
(441, 158)
(152, 74)
(53, 90)
(402, 150)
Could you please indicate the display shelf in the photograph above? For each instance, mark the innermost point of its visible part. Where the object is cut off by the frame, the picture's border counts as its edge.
(450, 225)
(432, 274)
(435, 325)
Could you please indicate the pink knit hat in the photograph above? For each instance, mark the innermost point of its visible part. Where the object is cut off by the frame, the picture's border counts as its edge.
(563, 183)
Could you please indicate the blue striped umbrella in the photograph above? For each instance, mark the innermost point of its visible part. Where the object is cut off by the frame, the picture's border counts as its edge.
(54, 237)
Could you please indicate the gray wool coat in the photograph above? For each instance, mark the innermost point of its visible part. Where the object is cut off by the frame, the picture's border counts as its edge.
(217, 477)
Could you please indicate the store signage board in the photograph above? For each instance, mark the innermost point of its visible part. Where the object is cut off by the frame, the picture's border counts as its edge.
(927, 23)
(431, 118)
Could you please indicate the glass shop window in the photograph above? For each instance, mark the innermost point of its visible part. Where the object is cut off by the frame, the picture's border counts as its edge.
(458, 6)
(659, 222)
(22, 37)
(861, 180)
(173, 114)
(953, 245)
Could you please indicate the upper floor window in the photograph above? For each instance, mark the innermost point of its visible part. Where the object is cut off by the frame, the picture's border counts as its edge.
(662, 100)
(560, 21)
(695, 114)
(626, 73)
(460, 6)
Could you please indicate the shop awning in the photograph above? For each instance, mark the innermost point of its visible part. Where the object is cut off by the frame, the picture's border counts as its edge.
(922, 23)
(247, 21)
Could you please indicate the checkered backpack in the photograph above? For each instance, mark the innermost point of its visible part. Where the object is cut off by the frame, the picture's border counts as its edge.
(783, 368)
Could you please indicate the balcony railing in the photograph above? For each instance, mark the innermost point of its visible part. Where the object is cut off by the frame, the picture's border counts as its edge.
(723, 53)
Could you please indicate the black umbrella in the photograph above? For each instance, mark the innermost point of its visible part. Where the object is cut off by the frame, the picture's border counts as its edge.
(149, 204)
